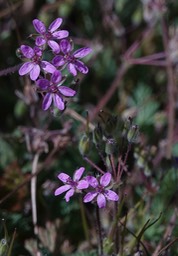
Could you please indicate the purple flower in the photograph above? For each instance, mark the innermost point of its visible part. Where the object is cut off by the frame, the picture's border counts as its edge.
(35, 64)
(71, 59)
(100, 190)
(49, 35)
(54, 91)
(71, 185)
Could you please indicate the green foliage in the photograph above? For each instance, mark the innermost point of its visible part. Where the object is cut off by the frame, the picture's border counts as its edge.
(144, 104)
(6, 153)
(91, 253)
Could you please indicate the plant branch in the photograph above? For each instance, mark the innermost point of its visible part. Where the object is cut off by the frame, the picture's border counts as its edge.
(33, 192)
(170, 90)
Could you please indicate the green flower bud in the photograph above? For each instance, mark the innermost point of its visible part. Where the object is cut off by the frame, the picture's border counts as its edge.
(84, 145)
(127, 126)
(111, 125)
(110, 146)
(97, 135)
(133, 133)
(3, 246)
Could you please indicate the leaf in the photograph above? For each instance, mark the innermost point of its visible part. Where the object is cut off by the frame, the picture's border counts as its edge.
(146, 106)
(6, 153)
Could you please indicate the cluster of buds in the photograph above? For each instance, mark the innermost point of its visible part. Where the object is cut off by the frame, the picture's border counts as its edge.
(109, 134)
(49, 75)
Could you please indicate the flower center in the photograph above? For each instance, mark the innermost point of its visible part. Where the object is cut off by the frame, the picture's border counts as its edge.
(69, 58)
(100, 189)
(53, 88)
(48, 35)
(36, 59)
(71, 182)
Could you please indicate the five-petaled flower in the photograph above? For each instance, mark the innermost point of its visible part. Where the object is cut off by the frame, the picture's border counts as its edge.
(35, 63)
(71, 185)
(54, 91)
(49, 35)
(100, 190)
(71, 59)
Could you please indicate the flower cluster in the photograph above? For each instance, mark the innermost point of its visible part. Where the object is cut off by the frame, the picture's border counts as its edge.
(95, 190)
(47, 75)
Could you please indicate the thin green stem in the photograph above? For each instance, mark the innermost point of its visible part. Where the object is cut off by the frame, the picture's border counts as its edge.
(84, 221)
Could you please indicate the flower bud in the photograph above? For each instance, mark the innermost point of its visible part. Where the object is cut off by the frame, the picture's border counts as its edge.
(97, 135)
(111, 125)
(127, 126)
(84, 145)
(133, 133)
(110, 147)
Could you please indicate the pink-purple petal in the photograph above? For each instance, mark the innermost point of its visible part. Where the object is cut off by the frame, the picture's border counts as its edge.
(65, 46)
(58, 61)
(80, 66)
(43, 84)
(92, 181)
(56, 77)
(67, 92)
(39, 26)
(69, 194)
(72, 69)
(25, 68)
(82, 184)
(89, 197)
(58, 102)
(27, 51)
(63, 177)
(105, 179)
(61, 34)
(80, 53)
(78, 173)
(39, 41)
(111, 195)
(61, 189)
(35, 72)
(37, 51)
(47, 67)
(54, 46)
(55, 24)
(101, 201)
(47, 101)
